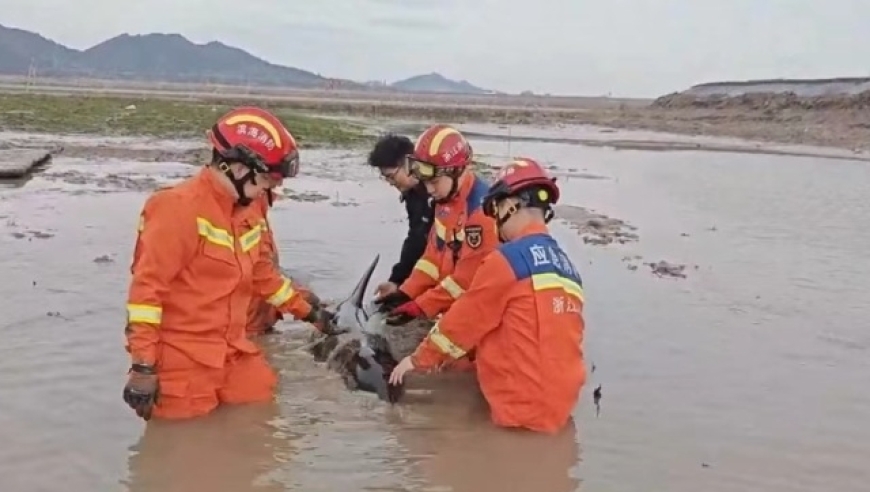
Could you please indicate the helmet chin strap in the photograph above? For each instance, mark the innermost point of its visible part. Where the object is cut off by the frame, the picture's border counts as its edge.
(239, 183)
(454, 189)
(501, 220)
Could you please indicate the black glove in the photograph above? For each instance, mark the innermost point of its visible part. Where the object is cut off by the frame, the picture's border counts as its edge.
(398, 319)
(313, 299)
(142, 391)
(324, 321)
(391, 301)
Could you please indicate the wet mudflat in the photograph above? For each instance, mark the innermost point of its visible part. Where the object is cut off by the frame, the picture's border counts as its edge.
(748, 374)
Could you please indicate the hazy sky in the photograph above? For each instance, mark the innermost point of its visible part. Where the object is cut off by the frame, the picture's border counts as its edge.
(590, 47)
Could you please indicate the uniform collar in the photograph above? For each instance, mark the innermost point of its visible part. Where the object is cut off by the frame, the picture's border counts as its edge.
(466, 181)
(223, 196)
(533, 228)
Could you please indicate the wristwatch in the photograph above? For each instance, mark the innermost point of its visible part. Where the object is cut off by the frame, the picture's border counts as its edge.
(145, 369)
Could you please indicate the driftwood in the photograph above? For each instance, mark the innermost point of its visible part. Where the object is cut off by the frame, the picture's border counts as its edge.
(19, 163)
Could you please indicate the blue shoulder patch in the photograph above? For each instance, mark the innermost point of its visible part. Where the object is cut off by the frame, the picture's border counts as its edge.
(539, 253)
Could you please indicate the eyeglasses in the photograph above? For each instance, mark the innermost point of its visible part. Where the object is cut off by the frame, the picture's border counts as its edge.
(390, 176)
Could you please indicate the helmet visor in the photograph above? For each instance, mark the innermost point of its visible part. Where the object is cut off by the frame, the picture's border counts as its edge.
(422, 170)
(288, 167)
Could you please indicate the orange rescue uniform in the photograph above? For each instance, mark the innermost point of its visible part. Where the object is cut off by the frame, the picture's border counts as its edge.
(261, 315)
(523, 314)
(199, 259)
(461, 237)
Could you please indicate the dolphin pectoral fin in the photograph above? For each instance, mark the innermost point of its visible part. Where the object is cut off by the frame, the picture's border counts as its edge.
(370, 377)
(388, 363)
(372, 371)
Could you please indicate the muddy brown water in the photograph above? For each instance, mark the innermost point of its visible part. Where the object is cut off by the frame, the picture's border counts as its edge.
(750, 374)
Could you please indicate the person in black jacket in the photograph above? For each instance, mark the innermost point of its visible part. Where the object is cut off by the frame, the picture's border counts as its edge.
(390, 157)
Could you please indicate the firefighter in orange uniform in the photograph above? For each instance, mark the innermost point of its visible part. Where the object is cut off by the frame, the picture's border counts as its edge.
(262, 316)
(199, 260)
(461, 236)
(523, 312)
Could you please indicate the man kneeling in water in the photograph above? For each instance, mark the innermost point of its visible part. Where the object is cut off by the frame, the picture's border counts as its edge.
(523, 312)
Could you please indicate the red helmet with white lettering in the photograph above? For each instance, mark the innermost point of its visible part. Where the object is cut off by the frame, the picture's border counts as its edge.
(256, 138)
(527, 180)
(441, 150)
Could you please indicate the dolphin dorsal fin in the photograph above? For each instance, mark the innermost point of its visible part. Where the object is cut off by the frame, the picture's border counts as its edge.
(359, 292)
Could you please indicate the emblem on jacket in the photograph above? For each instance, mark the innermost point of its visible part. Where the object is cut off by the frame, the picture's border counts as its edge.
(474, 236)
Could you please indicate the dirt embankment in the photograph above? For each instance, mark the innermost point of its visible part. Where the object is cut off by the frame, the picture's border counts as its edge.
(830, 120)
(767, 102)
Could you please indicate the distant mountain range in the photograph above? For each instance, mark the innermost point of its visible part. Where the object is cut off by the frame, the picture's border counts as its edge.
(174, 58)
(435, 82)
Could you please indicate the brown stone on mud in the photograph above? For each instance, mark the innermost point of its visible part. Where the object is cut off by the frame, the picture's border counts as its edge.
(118, 151)
(338, 351)
(306, 196)
(596, 229)
(665, 269)
(113, 182)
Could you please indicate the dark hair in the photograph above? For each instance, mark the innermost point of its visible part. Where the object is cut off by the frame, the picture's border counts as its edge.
(389, 150)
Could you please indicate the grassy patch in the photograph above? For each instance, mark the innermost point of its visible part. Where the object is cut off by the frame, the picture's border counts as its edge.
(131, 116)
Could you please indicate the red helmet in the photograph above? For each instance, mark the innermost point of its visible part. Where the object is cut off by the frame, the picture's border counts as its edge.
(440, 150)
(523, 177)
(256, 138)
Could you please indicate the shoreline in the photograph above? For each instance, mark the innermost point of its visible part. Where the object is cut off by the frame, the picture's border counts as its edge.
(191, 151)
(734, 125)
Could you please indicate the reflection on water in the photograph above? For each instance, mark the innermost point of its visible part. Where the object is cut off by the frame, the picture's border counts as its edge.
(749, 375)
(227, 452)
(447, 435)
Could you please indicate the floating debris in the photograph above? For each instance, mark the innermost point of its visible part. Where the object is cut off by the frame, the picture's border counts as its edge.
(596, 399)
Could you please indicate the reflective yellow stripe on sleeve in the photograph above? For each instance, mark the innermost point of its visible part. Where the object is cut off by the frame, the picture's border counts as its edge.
(444, 344)
(440, 230)
(144, 313)
(452, 287)
(283, 294)
(545, 281)
(251, 238)
(427, 267)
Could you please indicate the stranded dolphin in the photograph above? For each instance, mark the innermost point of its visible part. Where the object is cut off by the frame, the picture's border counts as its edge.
(369, 365)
